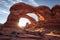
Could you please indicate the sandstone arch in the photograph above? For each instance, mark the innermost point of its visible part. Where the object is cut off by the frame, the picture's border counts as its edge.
(19, 10)
(43, 12)
(16, 12)
(23, 8)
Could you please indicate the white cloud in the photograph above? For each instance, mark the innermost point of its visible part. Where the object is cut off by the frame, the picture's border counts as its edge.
(33, 2)
(5, 4)
(19, 1)
(12, 1)
(3, 11)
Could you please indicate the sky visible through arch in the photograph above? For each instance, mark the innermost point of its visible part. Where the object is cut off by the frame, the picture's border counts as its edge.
(6, 4)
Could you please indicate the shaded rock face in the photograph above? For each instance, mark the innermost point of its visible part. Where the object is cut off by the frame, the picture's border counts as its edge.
(48, 18)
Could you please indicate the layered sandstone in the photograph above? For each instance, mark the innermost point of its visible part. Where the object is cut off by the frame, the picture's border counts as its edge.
(49, 19)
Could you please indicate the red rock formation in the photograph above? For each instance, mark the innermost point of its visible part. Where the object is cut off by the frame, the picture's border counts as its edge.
(56, 16)
(17, 11)
(44, 11)
(48, 18)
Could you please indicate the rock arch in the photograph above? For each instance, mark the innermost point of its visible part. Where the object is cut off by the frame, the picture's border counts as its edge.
(25, 8)
(19, 10)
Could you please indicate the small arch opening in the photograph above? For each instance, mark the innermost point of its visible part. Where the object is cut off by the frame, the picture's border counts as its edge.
(33, 15)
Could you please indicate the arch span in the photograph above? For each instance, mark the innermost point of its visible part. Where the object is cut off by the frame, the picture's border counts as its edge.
(19, 10)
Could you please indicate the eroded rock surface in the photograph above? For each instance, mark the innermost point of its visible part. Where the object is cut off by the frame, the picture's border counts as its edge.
(49, 19)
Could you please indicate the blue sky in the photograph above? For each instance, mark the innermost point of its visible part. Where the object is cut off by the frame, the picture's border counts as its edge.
(6, 4)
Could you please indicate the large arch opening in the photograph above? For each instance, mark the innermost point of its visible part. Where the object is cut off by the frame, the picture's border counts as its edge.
(22, 22)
